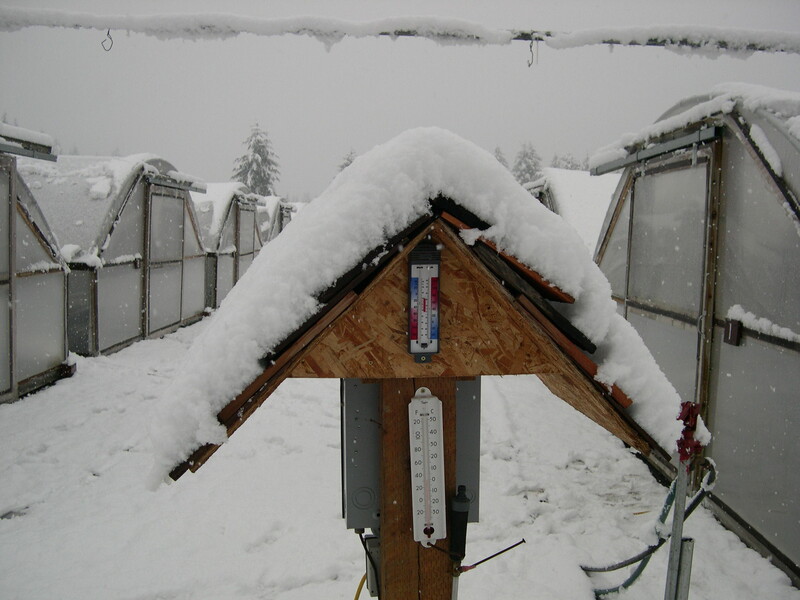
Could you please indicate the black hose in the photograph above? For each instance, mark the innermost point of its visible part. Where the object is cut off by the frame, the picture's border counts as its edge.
(643, 558)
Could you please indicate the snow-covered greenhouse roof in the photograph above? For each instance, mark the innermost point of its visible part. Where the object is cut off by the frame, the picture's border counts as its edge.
(82, 195)
(580, 198)
(379, 196)
(212, 207)
(771, 118)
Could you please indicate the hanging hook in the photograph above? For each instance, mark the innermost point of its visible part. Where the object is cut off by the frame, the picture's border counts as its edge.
(107, 43)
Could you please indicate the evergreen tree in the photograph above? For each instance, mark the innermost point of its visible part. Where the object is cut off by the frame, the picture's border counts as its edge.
(501, 158)
(568, 161)
(258, 168)
(347, 160)
(527, 165)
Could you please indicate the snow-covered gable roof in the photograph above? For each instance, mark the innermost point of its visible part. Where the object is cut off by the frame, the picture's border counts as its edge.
(771, 118)
(212, 208)
(581, 199)
(81, 195)
(379, 195)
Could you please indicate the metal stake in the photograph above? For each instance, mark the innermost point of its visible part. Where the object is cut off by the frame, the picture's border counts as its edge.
(675, 555)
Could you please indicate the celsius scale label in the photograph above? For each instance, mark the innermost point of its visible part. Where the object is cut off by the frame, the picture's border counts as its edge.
(423, 313)
(427, 467)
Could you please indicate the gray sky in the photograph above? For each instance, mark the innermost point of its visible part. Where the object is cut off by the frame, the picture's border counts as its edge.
(193, 102)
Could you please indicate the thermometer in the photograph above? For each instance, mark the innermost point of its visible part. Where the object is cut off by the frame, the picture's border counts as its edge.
(423, 323)
(427, 467)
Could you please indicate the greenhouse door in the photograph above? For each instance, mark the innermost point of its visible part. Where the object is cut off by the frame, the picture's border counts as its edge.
(656, 260)
(165, 258)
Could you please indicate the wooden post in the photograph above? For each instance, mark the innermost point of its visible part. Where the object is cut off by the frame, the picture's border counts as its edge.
(407, 569)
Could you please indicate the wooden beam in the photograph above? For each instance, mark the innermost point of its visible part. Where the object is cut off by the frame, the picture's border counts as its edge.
(238, 410)
(407, 569)
(584, 363)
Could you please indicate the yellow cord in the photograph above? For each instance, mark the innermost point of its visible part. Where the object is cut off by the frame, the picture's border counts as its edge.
(360, 585)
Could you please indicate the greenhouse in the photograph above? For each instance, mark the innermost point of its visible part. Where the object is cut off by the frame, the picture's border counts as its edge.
(33, 283)
(227, 217)
(129, 235)
(580, 199)
(701, 245)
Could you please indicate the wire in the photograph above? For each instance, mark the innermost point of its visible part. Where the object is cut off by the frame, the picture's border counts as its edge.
(107, 43)
(360, 586)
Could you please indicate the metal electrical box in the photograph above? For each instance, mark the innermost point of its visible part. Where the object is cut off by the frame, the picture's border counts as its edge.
(361, 439)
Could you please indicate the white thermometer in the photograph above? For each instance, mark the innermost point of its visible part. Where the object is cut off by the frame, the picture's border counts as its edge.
(427, 467)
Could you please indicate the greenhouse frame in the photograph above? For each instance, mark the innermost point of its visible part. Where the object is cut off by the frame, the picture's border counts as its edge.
(33, 287)
(229, 225)
(701, 245)
(130, 237)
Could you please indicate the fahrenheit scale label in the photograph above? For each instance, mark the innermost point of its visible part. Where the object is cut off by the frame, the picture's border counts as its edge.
(427, 467)
(423, 321)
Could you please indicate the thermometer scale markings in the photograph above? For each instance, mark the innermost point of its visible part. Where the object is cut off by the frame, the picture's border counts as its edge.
(427, 467)
(423, 327)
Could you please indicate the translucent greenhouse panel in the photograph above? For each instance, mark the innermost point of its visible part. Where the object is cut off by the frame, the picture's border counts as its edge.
(224, 276)
(40, 322)
(754, 420)
(194, 279)
(127, 239)
(165, 296)
(244, 264)
(226, 242)
(247, 225)
(5, 338)
(5, 231)
(119, 299)
(166, 228)
(759, 246)
(31, 254)
(191, 244)
(615, 257)
(668, 238)
(673, 346)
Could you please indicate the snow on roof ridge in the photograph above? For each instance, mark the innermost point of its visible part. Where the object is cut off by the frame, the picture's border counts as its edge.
(217, 197)
(26, 135)
(376, 197)
(722, 99)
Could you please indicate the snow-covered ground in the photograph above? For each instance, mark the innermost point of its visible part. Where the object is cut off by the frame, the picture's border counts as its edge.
(262, 518)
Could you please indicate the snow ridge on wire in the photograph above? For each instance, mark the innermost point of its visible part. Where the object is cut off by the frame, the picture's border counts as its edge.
(685, 38)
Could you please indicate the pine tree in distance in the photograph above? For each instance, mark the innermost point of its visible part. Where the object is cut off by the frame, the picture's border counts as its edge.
(501, 158)
(568, 161)
(348, 160)
(527, 165)
(258, 168)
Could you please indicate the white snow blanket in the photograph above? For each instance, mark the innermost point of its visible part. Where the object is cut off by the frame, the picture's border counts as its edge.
(379, 195)
(77, 523)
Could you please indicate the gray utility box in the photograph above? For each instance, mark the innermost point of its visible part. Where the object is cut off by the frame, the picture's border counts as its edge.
(361, 439)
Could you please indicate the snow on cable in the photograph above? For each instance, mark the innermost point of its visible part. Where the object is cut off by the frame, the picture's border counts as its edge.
(692, 38)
